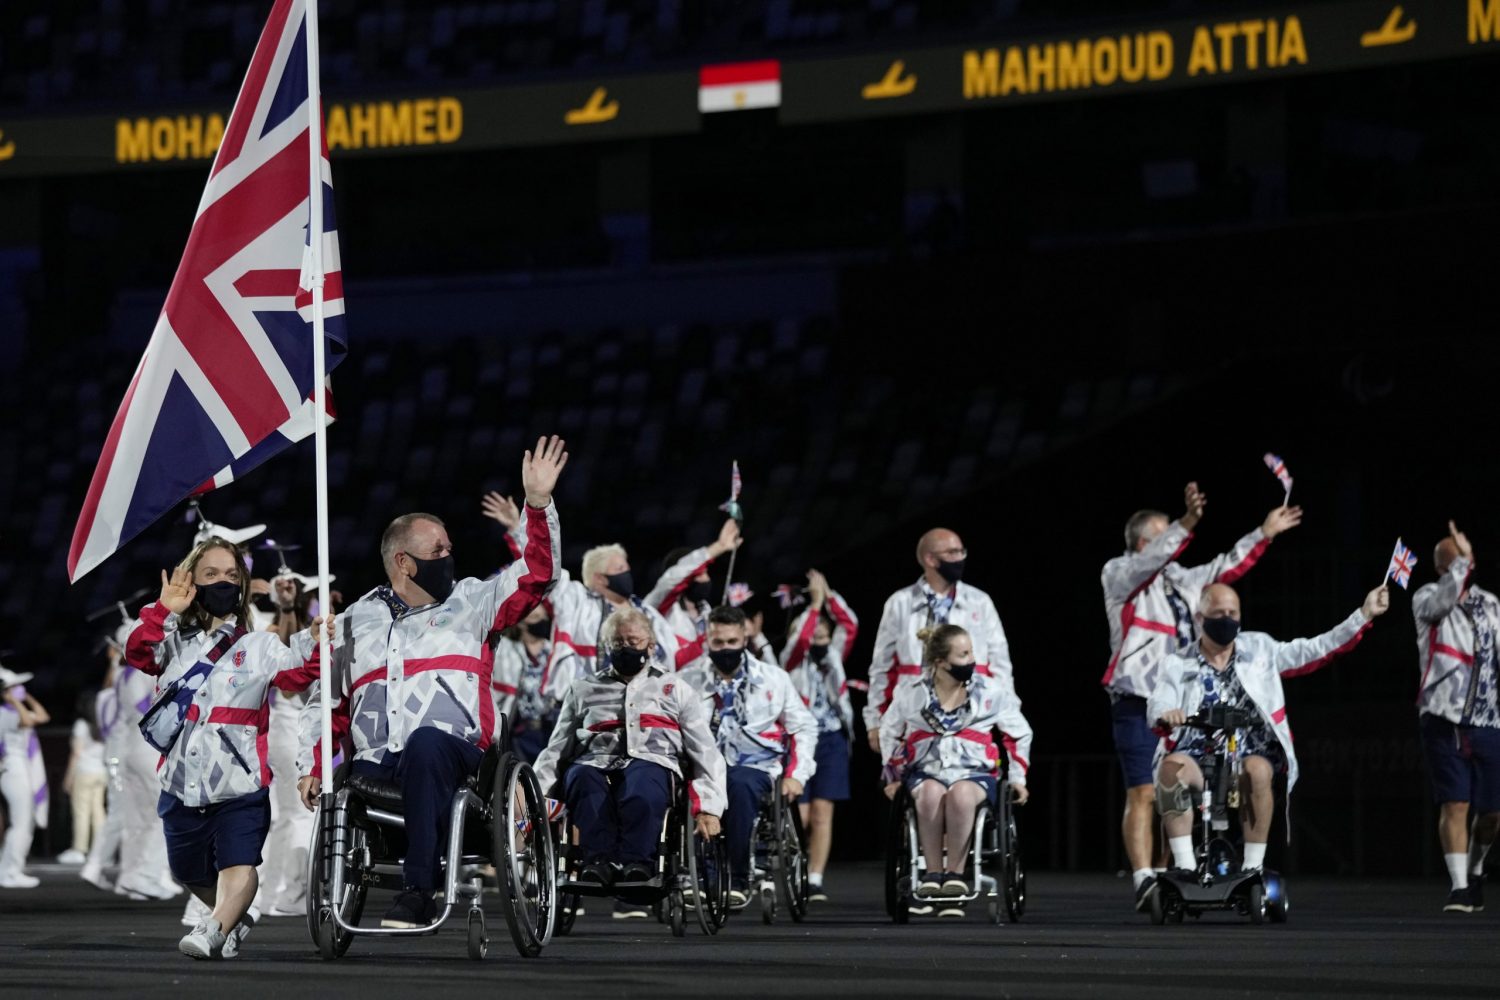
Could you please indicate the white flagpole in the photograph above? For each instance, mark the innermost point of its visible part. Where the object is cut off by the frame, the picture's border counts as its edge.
(320, 389)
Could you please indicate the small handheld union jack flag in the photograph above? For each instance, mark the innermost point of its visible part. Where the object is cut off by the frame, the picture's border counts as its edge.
(1278, 469)
(789, 595)
(738, 594)
(1401, 565)
(732, 505)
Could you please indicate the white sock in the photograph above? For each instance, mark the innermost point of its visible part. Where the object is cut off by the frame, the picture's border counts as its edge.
(1477, 852)
(1157, 871)
(1458, 869)
(1255, 855)
(1139, 876)
(815, 879)
(1182, 852)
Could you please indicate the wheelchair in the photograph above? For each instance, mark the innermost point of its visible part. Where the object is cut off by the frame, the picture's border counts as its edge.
(994, 861)
(498, 817)
(1217, 883)
(692, 873)
(778, 858)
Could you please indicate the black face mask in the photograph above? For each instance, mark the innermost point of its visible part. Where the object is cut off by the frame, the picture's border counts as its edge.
(541, 629)
(726, 661)
(961, 672)
(1221, 630)
(219, 599)
(818, 653)
(951, 571)
(699, 591)
(434, 576)
(626, 661)
(621, 583)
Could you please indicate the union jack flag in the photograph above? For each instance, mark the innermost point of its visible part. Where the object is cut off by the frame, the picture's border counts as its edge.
(227, 378)
(1278, 469)
(789, 595)
(738, 594)
(732, 505)
(1401, 565)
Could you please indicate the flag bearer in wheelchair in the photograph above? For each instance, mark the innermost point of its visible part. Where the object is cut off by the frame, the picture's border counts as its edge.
(622, 734)
(765, 732)
(414, 671)
(1238, 670)
(938, 739)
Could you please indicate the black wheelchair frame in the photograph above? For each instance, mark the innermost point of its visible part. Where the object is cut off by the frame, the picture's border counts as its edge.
(778, 856)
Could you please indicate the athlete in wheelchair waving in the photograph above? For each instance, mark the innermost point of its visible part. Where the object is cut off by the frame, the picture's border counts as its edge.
(951, 824)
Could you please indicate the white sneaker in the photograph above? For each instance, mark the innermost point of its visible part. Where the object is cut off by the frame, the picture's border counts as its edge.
(131, 894)
(19, 880)
(169, 889)
(143, 889)
(72, 857)
(204, 941)
(94, 876)
(196, 912)
(236, 937)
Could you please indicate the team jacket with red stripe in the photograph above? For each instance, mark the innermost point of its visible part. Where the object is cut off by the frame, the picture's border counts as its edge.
(577, 616)
(1142, 625)
(898, 652)
(607, 721)
(845, 631)
(1260, 662)
(1445, 640)
(666, 597)
(910, 740)
(770, 717)
(221, 752)
(429, 666)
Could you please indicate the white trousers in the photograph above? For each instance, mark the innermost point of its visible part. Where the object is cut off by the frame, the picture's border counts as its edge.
(15, 785)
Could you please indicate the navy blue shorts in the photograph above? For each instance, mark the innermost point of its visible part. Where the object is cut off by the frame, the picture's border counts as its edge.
(988, 782)
(1135, 743)
(831, 780)
(1463, 762)
(201, 842)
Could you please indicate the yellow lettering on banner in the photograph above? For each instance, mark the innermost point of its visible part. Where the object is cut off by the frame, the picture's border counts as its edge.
(1133, 59)
(981, 74)
(426, 115)
(1293, 47)
(1158, 55)
(1074, 65)
(213, 134)
(7, 147)
(163, 139)
(1201, 58)
(1484, 21)
(336, 128)
(1013, 77)
(132, 140)
(450, 120)
(395, 123)
(1252, 30)
(364, 126)
(1106, 61)
(1225, 33)
(189, 137)
(1039, 65)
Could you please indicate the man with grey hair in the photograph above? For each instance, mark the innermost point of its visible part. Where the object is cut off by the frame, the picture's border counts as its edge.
(413, 670)
(1150, 599)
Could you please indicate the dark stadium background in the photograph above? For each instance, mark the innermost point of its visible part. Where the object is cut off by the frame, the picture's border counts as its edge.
(1023, 323)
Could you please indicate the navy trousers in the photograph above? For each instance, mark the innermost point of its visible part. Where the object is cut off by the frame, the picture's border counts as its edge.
(747, 787)
(429, 770)
(619, 813)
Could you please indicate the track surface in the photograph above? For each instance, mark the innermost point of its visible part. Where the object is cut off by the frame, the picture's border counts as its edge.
(1346, 938)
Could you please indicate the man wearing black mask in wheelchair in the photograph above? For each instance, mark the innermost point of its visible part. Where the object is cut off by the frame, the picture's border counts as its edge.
(1238, 670)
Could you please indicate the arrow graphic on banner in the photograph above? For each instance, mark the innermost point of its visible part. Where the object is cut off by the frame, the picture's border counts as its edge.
(892, 85)
(594, 110)
(1392, 32)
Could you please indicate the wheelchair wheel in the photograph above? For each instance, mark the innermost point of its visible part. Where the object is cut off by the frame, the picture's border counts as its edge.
(767, 896)
(900, 874)
(1158, 907)
(791, 859)
(523, 855)
(329, 848)
(1013, 873)
(1278, 903)
(708, 870)
(1255, 903)
(568, 903)
(479, 942)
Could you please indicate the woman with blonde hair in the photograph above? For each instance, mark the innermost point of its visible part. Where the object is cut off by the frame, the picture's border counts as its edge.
(210, 723)
(938, 739)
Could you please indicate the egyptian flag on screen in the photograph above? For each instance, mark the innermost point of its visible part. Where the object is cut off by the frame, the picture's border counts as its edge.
(739, 86)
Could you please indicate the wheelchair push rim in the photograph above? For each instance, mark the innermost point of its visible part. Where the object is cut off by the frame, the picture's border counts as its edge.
(523, 856)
